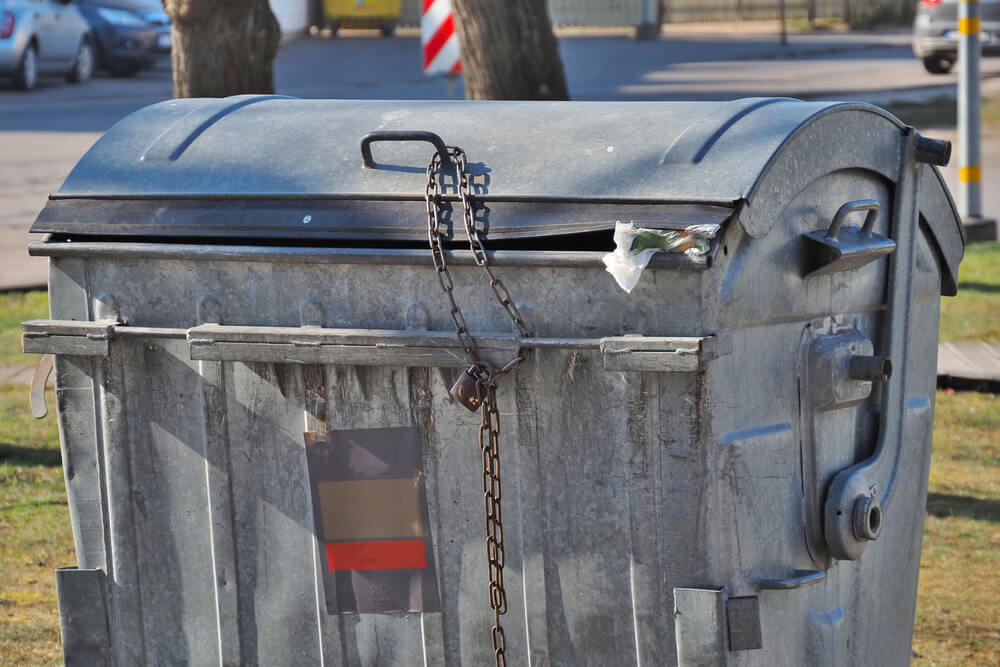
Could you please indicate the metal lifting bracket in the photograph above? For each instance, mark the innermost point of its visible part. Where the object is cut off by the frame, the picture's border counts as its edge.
(859, 496)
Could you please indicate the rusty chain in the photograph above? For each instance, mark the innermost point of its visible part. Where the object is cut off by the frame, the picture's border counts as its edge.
(485, 374)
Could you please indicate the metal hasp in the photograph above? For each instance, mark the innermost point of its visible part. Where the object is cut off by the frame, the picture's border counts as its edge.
(849, 248)
(860, 495)
(708, 625)
(402, 135)
(83, 616)
(88, 339)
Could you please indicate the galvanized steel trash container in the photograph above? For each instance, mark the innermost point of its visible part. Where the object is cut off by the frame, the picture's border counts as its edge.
(709, 470)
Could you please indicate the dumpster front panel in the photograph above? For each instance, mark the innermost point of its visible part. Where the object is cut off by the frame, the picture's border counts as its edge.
(214, 498)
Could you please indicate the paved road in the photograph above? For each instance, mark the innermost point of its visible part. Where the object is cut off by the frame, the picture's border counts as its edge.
(45, 132)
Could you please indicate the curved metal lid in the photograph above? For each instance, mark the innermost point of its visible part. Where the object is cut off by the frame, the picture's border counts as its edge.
(280, 168)
(276, 146)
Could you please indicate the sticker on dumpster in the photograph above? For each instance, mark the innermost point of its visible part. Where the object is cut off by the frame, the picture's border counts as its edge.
(370, 509)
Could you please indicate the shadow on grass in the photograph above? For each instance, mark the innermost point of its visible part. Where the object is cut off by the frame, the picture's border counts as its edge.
(943, 505)
(32, 505)
(978, 287)
(29, 456)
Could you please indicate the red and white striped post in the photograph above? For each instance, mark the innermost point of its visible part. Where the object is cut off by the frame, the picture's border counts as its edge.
(439, 41)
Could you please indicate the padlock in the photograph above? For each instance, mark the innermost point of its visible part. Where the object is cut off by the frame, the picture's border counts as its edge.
(468, 391)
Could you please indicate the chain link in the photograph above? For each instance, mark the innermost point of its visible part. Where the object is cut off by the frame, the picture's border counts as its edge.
(486, 374)
(489, 445)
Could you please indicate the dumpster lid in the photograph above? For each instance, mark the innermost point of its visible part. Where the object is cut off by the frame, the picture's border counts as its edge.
(276, 167)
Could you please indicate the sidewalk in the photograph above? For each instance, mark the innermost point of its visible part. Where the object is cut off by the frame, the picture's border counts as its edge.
(977, 362)
(23, 190)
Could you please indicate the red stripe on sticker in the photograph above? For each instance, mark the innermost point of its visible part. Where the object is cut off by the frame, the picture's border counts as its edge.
(442, 35)
(376, 555)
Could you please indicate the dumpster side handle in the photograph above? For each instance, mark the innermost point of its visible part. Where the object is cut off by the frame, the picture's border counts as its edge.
(846, 249)
(859, 496)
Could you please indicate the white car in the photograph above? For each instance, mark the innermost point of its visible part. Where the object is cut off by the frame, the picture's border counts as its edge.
(935, 32)
(43, 37)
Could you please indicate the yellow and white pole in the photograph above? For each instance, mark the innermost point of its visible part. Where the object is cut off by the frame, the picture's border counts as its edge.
(970, 172)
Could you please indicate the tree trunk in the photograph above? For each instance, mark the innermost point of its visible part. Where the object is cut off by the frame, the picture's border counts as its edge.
(222, 47)
(508, 50)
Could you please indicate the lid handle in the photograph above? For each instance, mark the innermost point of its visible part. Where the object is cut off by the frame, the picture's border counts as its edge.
(402, 135)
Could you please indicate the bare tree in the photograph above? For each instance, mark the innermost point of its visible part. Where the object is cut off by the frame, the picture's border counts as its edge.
(222, 47)
(508, 50)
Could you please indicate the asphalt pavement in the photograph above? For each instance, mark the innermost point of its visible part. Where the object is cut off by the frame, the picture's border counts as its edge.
(46, 131)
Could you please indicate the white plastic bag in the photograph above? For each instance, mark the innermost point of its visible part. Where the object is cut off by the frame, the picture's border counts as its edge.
(635, 246)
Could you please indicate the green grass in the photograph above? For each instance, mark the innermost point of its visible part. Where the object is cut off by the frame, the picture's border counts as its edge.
(957, 606)
(35, 533)
(16, 307)
(974, 315)
(942, 111)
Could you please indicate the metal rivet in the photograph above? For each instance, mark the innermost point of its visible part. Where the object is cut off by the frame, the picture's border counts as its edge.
(209, 310)
(106, 308)
(311, 313)
(418, 315)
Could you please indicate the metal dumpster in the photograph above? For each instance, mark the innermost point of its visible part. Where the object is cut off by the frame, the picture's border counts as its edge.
(726, 466)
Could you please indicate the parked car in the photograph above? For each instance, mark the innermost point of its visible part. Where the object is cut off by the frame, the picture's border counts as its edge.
(124, 39)
(935, 32)
(152, 12)
(43, 37)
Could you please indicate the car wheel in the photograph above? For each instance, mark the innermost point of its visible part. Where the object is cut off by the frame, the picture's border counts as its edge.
(26, 76)
(83, 64)
(388, 28)
(938, 65)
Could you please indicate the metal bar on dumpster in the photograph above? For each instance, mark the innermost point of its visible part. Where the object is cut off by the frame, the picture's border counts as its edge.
(425, 348)
(376, 347)
(388, 257)
(70, 337)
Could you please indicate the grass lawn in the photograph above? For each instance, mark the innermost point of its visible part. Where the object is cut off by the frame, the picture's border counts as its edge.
(958, 608)
(35, 534)
(943, 112)
(974, 315)
(16, 307)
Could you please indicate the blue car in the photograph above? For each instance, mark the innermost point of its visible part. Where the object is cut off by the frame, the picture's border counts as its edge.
(124, 39)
